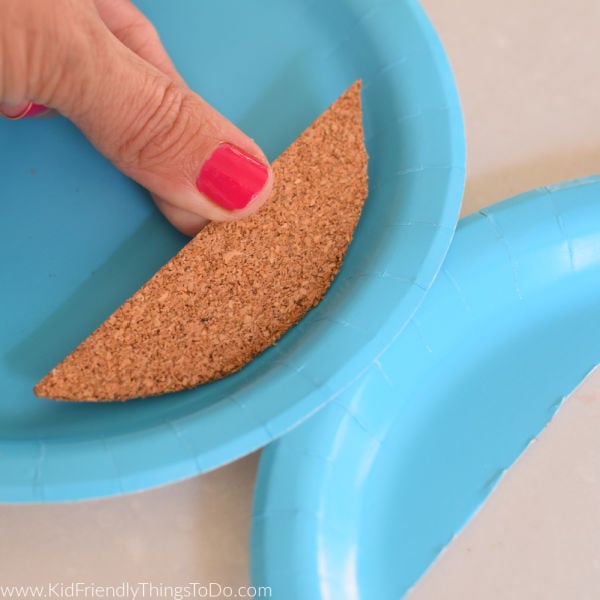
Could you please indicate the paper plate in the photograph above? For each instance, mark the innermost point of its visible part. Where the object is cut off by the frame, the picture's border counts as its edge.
(358, 501)
(77, 238)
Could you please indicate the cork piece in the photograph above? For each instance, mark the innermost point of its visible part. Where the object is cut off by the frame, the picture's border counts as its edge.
(236, 287)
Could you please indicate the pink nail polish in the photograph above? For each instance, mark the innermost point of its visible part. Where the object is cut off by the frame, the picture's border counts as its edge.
(34, 110)
(28, 109)
(231, 178)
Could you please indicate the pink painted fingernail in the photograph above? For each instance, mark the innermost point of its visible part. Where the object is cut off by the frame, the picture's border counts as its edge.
(231, 178)
(34, 110)
(22, 111)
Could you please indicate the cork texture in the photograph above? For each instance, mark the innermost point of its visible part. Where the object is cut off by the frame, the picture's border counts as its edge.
(236, 287)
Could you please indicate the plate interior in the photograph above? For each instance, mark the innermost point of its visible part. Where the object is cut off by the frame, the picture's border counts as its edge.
(77, 238)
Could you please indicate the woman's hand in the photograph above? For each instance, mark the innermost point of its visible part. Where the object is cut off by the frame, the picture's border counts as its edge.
(101, 64)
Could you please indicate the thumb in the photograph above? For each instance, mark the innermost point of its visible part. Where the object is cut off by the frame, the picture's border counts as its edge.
(167, 138)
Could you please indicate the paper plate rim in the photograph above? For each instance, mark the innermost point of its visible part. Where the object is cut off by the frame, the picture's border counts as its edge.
(102, 474)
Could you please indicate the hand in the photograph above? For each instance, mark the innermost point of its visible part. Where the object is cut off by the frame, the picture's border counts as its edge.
(100, 63)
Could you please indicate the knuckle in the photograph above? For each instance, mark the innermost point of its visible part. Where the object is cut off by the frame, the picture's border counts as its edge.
(41, 44)
(161, 133)
(24, 33)
(137, 34)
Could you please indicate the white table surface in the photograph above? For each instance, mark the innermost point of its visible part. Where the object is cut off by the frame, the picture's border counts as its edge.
(528, 77)
(537, 535)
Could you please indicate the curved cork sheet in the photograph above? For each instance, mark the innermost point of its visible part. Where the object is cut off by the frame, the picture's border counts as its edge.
(235, 288)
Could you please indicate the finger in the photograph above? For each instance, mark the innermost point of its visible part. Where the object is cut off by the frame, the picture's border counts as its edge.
(132, 28)
(164, 136)
(187, 222)
(22, 110)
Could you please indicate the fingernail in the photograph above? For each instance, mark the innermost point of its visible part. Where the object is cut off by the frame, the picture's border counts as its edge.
(22, 111)
(34, 110)
(231, 178)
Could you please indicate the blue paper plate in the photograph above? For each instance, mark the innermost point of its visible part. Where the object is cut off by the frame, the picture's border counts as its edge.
(77, 238)
(360, 499)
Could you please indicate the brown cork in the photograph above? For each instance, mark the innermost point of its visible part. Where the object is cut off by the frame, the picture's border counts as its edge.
(236, 287)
